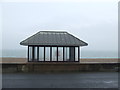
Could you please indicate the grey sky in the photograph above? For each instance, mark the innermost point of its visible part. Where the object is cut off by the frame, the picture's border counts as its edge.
(94, 22)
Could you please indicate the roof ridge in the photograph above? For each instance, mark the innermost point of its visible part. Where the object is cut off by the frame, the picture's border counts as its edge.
(55, 31)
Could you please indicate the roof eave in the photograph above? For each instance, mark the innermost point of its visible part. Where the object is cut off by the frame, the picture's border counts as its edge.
(25, 44)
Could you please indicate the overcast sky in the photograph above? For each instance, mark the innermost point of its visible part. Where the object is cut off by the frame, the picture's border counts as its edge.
(93, 22)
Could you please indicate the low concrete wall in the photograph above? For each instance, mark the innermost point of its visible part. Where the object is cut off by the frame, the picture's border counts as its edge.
(58, 67)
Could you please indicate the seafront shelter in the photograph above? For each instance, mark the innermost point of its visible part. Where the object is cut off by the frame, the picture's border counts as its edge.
(53, 46)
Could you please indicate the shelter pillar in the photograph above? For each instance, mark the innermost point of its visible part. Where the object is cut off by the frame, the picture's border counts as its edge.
(78, 54)
(33, 53)
(72, 53)
(28, 54)
(37, 53)
(50, 53)
(44, 53)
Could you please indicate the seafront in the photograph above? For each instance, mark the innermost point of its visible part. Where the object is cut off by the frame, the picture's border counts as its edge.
(14, 65)
(85, 60)
(89, 73)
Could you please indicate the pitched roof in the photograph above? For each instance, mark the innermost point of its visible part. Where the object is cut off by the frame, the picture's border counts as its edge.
(53, 38)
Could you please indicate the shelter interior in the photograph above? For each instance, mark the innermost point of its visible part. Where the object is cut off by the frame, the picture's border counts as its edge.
(53, 53)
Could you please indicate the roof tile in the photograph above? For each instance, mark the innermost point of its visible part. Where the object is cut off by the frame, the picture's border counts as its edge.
(53, 38)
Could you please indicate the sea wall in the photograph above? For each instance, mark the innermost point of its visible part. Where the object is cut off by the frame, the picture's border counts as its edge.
(58, 67)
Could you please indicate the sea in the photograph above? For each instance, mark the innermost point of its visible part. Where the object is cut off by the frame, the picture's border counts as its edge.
(83, 54)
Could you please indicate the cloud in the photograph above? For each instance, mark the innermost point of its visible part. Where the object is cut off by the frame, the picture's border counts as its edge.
(59, 0)
(94, 22)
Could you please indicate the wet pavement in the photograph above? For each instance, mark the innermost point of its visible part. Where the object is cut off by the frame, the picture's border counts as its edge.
(61, 80)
